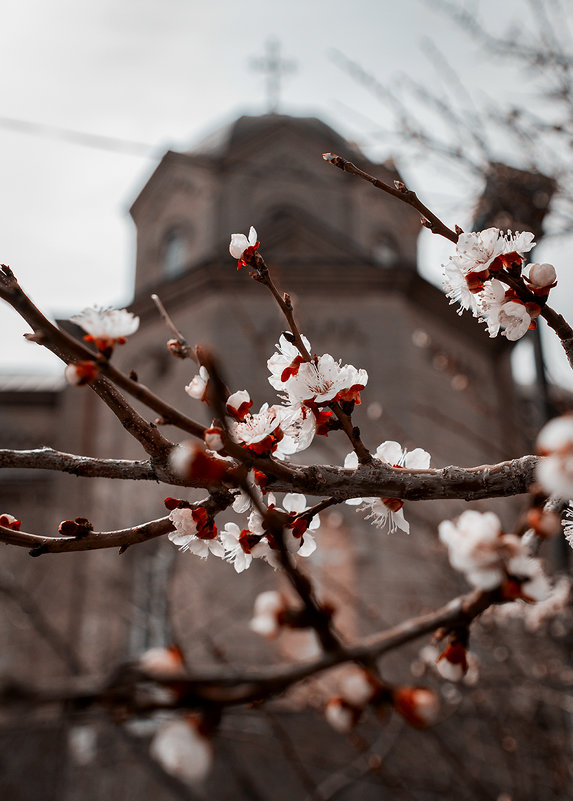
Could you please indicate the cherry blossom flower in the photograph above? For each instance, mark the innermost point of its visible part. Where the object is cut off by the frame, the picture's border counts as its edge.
(106, 327)
(476, 251)
(260, 432)
(242, 247)
(299, 427)
(456, 288)
(497, 312)
(488, 558)
(386, 513)
(182, 750)
(241, 546)
(285, 362)
(555, 443)
(482, 251)
(294, 504)
(189, 523)
(197, 388)
(269, 607)
(325, 380)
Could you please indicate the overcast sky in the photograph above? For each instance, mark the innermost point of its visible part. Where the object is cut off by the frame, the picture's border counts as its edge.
(165, 73)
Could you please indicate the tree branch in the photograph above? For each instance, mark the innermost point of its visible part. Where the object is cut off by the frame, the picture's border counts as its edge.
(229, 688)
(435, 225)
(50, 459)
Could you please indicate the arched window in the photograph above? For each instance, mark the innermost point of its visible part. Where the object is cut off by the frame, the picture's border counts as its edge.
(175, 251)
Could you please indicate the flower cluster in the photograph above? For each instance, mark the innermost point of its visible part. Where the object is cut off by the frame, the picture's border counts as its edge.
(386, 513)
(488, 558)
(469, 279)
(195, 531)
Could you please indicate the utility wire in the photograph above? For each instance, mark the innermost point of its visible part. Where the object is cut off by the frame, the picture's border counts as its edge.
(109, 143)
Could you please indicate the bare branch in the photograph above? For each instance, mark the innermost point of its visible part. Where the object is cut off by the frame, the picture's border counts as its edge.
(229, 688)
(50, 459)
(435, 225)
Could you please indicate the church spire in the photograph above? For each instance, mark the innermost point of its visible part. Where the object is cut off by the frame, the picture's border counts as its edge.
(275, 68)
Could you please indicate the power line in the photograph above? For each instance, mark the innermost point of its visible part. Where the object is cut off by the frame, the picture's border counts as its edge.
(96, 141)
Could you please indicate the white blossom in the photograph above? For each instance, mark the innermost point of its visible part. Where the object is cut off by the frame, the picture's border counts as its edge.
(476, 251)
(299, 427)
(356, 688)
(568, 525)
(497, 312)
(340, 715)
(107, 326)
(323, 380)
(235, 552)
(182, 750)
(478, 548)
(257, 427)
(520, 242)
(197, 388)
(185, 535)
(456, 288)
(266, 618)
(555, 443)
(284, 357)
(240, 243)
(387, 513)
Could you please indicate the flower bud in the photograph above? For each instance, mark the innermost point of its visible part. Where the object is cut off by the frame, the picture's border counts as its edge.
(80, 373)
(9, 521)
(238, 404)
(542, 275)
(214, 438)
(163, 662)
(452, 664)
(418, 705)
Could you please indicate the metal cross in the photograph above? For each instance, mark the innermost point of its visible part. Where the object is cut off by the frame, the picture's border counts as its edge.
(275, 68)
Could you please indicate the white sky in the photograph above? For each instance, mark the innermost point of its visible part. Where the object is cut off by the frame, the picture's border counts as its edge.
(166, 72)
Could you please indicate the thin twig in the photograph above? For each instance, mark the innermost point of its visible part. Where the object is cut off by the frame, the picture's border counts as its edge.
(433, 223)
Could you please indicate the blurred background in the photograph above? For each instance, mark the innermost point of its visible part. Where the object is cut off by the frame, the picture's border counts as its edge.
(94, 93)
